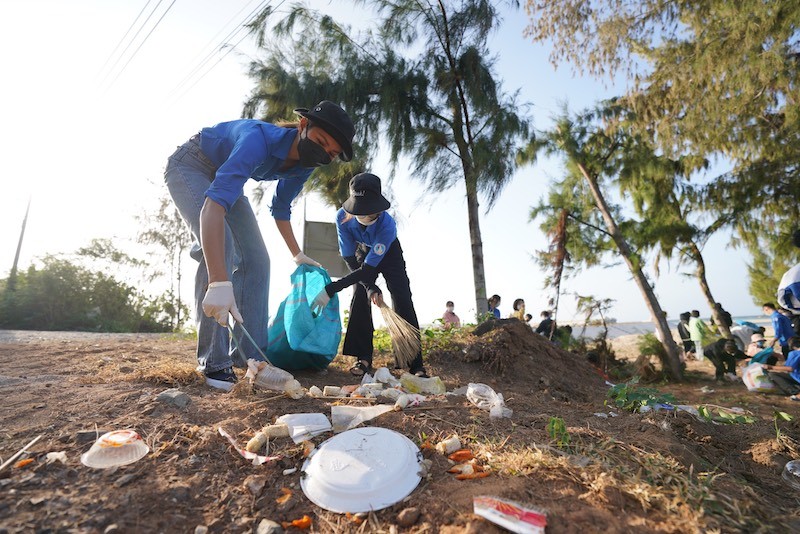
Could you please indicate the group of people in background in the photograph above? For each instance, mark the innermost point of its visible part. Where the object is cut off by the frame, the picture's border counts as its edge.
(747, 343)
(546, 327)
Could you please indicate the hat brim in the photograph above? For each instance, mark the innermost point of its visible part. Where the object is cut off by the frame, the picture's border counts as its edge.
(366, 205)
(347, 146)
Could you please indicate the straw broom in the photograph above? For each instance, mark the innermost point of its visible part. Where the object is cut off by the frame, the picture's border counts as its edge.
(405, 337)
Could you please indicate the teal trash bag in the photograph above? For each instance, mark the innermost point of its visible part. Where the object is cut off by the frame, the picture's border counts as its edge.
(762, 356)
(298, 339)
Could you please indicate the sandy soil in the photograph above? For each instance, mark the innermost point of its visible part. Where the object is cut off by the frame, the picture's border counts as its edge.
(656, 472)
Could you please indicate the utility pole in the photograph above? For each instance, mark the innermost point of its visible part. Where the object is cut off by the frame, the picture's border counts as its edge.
(12, 277)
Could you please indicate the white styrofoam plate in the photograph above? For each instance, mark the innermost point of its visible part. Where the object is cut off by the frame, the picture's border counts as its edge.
(113, 449)
(360, 470)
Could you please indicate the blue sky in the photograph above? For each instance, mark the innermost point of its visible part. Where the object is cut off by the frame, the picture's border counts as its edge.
(91, 155)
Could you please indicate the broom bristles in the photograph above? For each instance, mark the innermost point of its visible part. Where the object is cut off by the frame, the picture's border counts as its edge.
(405, 337)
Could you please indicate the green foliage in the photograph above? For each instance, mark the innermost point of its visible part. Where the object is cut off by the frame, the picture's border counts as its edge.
(649, 345)
(780, 416)
(382, 340)
(63, 296)
(440, 338)
(713, 78)
(557, 430)
(629, 396)
(722, 415)
(421, 79)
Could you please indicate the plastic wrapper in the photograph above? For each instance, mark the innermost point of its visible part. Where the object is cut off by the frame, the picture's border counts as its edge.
(347, 417)
(304, 426)
(485, 398)
(756, 379)
(510, 515)
(416, 384)
(383, 374)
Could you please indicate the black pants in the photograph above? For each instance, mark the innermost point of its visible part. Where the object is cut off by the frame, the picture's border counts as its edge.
(721, 361)
(358, 338)
(785, 382)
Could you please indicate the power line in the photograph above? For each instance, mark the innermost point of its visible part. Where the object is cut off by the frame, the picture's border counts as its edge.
(143, 42)
(122, 54)
(123, 37)
(247, 20)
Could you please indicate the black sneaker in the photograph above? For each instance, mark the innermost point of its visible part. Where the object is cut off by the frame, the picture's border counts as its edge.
(223, 379)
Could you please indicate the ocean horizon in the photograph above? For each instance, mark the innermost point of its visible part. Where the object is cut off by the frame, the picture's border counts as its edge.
(643, 327)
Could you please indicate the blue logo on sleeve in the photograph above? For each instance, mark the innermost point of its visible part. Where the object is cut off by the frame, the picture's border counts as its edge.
(379, 249)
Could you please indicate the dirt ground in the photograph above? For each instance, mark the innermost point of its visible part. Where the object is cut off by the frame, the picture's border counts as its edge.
(653, 472)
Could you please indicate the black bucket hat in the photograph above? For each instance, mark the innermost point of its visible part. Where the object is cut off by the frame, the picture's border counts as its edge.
(335, 121)
(365, 195)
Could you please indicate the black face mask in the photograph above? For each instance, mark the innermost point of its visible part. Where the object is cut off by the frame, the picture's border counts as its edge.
(311, 154)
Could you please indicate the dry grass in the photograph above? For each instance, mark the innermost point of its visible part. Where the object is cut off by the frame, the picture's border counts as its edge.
(603, 467)
(406, 342)
(162, 372)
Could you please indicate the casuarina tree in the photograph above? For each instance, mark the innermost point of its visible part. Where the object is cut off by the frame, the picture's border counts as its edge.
(419, 84)
(711, 78)
(599, 157)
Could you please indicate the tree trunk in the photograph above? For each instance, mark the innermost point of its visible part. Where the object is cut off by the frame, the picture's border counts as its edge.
(700, 272)
(672, 362)
(478, 272)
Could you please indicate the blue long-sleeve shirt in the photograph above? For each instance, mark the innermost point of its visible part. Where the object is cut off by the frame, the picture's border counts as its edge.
(793, 361)
(782, 326)
(252, 149)
(377, 237)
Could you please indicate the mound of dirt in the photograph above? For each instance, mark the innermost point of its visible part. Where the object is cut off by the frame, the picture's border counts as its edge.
(508, 352)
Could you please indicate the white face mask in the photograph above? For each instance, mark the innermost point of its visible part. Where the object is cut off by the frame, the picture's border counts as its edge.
(450, 309)
(366, 220)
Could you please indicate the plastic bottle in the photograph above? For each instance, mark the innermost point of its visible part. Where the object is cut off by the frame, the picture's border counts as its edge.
(416, 384)
(270, 377)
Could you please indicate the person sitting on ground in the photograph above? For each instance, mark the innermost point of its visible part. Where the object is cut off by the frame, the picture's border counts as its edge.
(494, 302)
(781, 326)
(758, 352)
(723, 354)
(698, 333)
(528, 318)
(546, 326)
(449, 318)
(787, 376)
(519, 310)
(686, 338)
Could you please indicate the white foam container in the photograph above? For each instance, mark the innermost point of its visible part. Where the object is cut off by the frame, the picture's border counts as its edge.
(361, 470)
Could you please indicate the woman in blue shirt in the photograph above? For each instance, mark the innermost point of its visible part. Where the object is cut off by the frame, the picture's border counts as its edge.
(206, 178)
(369, 245)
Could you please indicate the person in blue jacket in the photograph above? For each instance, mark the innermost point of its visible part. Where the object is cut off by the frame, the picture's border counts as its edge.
(787, 376)
(369, 245)
(205, 177)
(781, 326)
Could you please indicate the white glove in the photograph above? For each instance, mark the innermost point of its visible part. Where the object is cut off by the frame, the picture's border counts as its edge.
(320, 301)
(301, 259)
(219, 301)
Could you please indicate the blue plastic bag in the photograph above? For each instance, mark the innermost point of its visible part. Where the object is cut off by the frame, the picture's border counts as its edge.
(298, 339)
(762, 356)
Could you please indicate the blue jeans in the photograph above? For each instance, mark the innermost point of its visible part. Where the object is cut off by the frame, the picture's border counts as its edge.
(188, 175)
